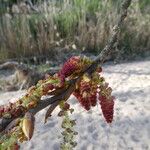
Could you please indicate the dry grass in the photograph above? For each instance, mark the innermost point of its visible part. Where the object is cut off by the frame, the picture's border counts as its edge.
(87, 25)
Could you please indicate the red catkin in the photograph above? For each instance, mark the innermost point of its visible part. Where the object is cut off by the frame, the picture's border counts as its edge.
(86, 94)
(107, 106)
(69, 67)
(85, 103)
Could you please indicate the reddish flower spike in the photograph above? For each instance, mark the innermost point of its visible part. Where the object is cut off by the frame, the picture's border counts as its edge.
(86, 94)
(69, 67)
(85, 103)
(107, 106)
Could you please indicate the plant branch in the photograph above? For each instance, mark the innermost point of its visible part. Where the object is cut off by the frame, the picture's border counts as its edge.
(64, 95)
(99, 60)
(114, 37)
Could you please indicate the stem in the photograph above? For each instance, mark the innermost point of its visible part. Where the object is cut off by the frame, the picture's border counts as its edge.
(114, 37)
(64, 95)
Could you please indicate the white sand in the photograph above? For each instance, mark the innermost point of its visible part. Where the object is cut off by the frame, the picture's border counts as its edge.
(130, 129)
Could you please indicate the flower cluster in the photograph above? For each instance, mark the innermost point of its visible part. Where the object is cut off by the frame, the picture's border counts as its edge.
(68, 132)
(70, 67)
(12, 110)
(22, 129)
(86, 94)
(89, 90)
(73, 67)
(106, 101)
(31, 99)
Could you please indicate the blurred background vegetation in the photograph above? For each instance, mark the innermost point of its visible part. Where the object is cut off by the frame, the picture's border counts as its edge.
(74, 25)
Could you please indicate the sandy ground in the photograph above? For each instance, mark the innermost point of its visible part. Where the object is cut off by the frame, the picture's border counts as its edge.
(130, 129)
